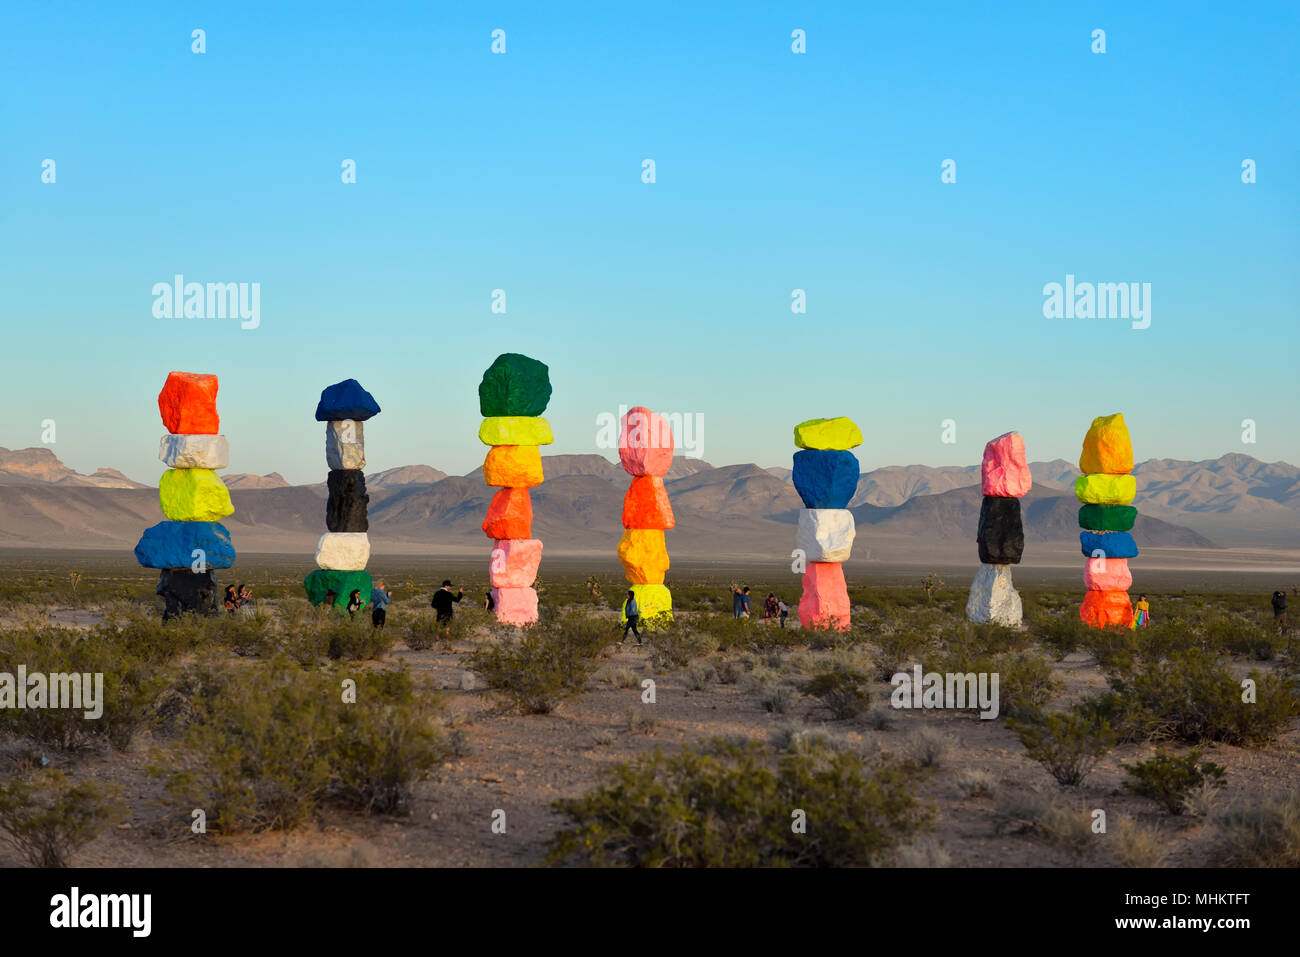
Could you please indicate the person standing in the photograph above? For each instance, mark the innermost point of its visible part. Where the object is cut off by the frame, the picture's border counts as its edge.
(744, 602)
(633, 614)
(737, 601)
(488, 603)
(443, 600)
(380, 598)
(231, 601)
(1279, 609)
(354, 602)
(783, 609)
(1142, 613)
(770, 608)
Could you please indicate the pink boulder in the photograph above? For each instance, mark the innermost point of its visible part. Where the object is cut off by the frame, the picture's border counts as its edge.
(825, 601)
(1004, 472)
(1107, 574)
(645, 442)
(515, 606)
(514, 562)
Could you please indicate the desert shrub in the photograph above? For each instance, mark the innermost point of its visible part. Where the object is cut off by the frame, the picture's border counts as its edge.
(536, 670)
(969, 639)
(845, 692)
(728, 632)
(1059, 634)
(131, 685)
(698, 676)
(900, 650)
(386, 742)
(726, 807)
(1025, 680)
(254, 756)
(1262, 835)
(1193, 697)
(1067, 828)
(928, 746)
(266, 745)
(1020, 810)
(777, 699)
(1171, 780)
(1068, 743)
(355, 639)
(1235, 635)
(678, 644)
(975, 784)
(422, 631)
(47, 819)
(1136, 846)
(729, 672)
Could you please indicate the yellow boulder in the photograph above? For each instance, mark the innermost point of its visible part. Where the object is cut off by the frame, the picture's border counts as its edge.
(655, 603)
(515, 430)
(1102, 489)
(644, 555)
(1107, 447)
(839, 434)
(513, 466)
(193, 495)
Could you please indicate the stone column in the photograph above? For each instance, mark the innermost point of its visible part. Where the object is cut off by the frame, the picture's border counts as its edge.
(645, 449)
(1106, 491)
(826, 477)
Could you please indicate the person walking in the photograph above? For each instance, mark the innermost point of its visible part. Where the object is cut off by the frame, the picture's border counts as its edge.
(770, 608)
(380, 598)
(633, 614)
(442, 601)
(1279, 610)
(783, 610)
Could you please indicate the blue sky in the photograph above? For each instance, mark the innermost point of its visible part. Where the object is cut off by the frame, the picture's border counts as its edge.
(775, 171)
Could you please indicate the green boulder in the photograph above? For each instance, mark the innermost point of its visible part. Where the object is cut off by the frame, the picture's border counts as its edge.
(1107, 518)
(514, 385)
(339, 582)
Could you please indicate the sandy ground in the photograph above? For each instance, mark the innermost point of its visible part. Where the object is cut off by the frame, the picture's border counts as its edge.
(520, 764)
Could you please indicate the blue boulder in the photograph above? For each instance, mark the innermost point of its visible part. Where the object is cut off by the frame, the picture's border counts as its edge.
(172, 545)
(346, 400)
(825, 478)
(1110, 544)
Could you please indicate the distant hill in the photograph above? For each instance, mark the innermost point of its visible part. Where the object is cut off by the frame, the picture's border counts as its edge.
(733, 509)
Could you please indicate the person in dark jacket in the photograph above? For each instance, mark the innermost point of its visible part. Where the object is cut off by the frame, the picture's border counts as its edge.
(632, 613)
(1279, 609)
(443, 600)
(354, 602)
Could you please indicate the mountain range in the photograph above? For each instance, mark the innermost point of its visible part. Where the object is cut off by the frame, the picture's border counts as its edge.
(733, 510)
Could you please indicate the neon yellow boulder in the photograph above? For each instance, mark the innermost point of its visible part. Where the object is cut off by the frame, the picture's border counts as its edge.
(515, 430)
(1102, 489)
(193, 495)
(838, 434)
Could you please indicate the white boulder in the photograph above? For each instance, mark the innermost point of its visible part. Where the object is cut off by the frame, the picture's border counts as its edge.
(825, 534)
(345, 444)
(993, 597)
(343, 551)
(194, 451)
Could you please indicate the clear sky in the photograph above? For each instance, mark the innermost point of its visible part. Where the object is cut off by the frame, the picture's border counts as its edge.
(774, 171)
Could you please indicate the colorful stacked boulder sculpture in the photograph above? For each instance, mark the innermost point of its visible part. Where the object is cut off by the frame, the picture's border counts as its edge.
(826, 477)
(1106, 514)
(512, 397)
(192, 543)
(645, 448)
(1004, 480)
(344, 550)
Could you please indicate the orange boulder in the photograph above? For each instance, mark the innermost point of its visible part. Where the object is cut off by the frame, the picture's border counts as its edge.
(646, 504)
(1106, 609)
(188, 403)
(513, 466)
(510, 515)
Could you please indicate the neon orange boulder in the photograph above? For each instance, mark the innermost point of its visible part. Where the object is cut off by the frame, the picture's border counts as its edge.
(188, 403)
(1106, 609)
(646, 504)
(510, 515)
